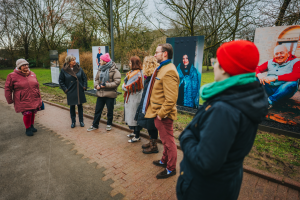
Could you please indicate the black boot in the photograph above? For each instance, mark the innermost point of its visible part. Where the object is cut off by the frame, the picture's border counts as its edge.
(33, 129)
(29, 132)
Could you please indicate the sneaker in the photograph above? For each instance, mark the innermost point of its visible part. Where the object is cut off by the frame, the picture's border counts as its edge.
(91, 128)
(159, 163)
(131, 135)
(108, 127)
(134, 139)
(165, 174)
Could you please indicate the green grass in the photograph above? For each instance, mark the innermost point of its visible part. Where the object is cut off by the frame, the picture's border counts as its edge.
(281, 147)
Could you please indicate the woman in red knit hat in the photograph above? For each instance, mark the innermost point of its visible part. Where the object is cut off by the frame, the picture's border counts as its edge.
(222, 132)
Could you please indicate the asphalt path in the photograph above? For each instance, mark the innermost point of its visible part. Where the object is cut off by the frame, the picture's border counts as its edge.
(44, 166)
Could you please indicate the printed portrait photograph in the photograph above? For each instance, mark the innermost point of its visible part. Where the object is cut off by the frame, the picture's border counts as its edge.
(279, 71)
(97, 51)
(187, 57)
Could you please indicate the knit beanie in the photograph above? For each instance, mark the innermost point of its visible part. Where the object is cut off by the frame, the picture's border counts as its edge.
(21, 62)
(238, 57)
(105, 57)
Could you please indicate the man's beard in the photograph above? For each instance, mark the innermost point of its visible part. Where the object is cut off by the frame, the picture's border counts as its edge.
(159, 60)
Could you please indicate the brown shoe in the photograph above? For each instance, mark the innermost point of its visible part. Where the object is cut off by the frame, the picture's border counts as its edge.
(152, 148)
(157, 163)
(164, 174)
(147, 145)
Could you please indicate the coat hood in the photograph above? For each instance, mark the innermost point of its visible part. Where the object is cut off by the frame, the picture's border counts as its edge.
(251, 99)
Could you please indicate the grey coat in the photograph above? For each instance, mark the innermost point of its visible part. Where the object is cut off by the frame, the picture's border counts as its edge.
(131, 106)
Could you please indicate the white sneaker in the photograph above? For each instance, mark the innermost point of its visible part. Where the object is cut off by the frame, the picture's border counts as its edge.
(131, 135)
(134, 139)
(91, 128)
(108, 127)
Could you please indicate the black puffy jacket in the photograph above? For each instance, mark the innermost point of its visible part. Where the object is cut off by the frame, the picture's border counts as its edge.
(216, 142)
(73, 83)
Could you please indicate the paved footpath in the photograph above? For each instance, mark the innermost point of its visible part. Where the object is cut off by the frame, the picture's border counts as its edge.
(129, 172)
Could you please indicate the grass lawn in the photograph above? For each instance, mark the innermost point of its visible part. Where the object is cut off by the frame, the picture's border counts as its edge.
(274, 153)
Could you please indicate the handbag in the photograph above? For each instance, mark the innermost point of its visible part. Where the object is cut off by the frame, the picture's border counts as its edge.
(43, 106)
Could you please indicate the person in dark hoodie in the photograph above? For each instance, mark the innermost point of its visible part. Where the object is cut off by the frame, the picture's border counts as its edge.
(223, 130)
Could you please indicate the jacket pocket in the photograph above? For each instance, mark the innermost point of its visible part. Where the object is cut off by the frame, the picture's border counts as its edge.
(182, 185)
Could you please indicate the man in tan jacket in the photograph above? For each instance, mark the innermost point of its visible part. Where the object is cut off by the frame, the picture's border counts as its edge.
(163, 94)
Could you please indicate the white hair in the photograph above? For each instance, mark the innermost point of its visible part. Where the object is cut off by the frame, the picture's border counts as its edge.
(279, 46)
(68, 59)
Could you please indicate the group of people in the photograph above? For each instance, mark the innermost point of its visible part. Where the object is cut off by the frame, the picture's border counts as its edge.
(214, 143)
(149, 101)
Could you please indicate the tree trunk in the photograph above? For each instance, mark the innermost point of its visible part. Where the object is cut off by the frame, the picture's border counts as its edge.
(283, 8)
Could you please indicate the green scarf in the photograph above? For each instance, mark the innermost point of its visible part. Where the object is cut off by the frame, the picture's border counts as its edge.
(211, 89)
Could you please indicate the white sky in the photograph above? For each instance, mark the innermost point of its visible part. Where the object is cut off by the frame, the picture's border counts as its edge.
(151, 9)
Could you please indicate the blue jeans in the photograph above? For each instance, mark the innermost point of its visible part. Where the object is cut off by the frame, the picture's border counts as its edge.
(284, 91)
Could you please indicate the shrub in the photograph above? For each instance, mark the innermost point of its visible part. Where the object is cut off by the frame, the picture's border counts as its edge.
(32, 63)
(86, 62)
(61, 59)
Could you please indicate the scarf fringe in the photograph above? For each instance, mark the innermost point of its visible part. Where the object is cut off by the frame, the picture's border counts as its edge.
(138, 86)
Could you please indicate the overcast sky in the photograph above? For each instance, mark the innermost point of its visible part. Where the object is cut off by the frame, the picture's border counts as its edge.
(151, 9)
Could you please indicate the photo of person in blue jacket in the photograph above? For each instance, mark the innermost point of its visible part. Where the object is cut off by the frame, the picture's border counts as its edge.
(223, 130)
(189, 83)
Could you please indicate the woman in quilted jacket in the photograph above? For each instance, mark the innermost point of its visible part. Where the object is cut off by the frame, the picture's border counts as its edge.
(22, 89)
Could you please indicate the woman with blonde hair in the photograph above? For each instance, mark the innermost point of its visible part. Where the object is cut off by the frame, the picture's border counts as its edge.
(73, 82)
(149, 66)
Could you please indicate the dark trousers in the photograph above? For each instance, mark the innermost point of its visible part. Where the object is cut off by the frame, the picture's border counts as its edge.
(136, 130)
(73, 113)
(153, 134)
(101, 101)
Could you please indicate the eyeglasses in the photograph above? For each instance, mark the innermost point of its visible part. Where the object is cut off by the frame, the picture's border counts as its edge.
(25, 65)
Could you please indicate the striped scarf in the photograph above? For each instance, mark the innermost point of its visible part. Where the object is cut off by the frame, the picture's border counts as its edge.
(150, 86)
(133, 82)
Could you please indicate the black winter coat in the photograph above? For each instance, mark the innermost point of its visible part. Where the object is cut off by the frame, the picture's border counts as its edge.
(147, 123)
(73, 83)
(216, 142)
